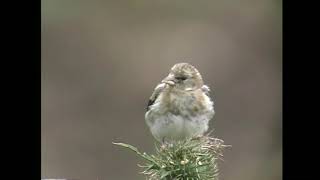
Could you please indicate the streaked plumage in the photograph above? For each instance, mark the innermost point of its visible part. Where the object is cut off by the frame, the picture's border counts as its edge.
(180, 106)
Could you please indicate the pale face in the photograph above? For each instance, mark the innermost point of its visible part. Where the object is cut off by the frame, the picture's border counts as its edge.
(184, 76)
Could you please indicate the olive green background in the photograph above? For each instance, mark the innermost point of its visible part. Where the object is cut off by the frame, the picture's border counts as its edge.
(102, 59)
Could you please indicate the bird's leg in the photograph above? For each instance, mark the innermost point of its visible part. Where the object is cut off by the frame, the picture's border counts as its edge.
(163, 145)
(196, 137)
(163, 139)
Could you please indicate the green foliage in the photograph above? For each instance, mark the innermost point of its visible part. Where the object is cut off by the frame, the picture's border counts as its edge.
(191, 159)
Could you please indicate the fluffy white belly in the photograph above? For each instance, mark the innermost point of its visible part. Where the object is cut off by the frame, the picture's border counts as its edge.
(179, 116)
(175, 127)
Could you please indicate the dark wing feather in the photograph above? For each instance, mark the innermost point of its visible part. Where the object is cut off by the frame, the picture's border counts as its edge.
(150, 102)
(155, 95)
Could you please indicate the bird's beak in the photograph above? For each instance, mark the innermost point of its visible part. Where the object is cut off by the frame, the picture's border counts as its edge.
(169, 80)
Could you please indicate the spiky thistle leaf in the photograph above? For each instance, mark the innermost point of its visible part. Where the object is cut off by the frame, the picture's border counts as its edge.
(190, 159)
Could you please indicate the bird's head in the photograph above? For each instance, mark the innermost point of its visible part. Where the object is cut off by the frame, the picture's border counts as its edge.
(184, 76)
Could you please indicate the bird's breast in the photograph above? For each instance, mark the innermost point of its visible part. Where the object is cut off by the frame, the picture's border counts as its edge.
(185, 104)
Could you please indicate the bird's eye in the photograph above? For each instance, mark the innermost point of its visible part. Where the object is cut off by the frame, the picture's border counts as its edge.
(181, 78)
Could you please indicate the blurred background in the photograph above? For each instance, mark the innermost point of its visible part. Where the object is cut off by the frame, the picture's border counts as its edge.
(102, 59)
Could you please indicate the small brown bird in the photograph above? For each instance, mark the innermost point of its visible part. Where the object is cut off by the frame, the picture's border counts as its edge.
(180, 106)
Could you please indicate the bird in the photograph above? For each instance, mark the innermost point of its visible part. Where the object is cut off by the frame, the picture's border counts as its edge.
(180, 106)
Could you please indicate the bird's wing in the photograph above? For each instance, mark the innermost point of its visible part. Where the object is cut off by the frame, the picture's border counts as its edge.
(155, 94)
(206, 90)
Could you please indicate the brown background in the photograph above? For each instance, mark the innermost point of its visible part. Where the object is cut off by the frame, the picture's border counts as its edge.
(102, 59)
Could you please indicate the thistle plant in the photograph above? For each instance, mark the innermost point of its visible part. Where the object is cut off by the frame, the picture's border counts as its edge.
(180, 108)
(190, 159)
